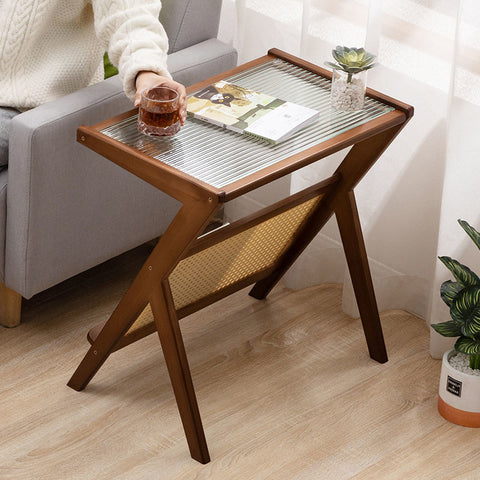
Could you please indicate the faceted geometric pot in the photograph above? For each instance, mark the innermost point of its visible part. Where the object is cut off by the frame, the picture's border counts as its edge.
(458, 395)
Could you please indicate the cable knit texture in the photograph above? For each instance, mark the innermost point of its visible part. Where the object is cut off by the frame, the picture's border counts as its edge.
(49, 48)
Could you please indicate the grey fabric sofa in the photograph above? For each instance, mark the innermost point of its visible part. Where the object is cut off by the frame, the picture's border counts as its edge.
(66, 209)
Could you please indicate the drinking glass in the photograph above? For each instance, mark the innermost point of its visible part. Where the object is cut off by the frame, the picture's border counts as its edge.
(159, 112)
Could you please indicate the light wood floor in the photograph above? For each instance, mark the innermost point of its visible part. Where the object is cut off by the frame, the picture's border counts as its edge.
(285, 387)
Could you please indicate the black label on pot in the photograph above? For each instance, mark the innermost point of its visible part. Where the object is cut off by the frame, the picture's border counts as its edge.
(454, 386)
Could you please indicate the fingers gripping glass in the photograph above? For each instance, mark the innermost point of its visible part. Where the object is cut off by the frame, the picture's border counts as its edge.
(159, 112)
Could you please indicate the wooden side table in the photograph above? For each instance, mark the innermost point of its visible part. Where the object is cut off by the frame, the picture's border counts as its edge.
(204, 167)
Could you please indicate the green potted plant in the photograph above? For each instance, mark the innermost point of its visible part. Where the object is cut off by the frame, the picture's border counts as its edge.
(349, 77)
(459, 391)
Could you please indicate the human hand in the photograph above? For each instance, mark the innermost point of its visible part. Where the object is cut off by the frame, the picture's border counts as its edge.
(146, 80)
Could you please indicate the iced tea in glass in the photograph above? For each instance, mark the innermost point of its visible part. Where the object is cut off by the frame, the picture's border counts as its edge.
(159, 113)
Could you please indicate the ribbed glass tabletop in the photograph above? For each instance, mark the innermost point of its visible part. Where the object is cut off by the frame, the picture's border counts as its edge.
(219, 157)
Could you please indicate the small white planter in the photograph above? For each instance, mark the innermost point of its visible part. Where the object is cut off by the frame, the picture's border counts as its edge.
(458, 395)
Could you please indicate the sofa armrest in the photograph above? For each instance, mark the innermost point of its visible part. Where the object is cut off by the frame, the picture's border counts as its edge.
(68, 208)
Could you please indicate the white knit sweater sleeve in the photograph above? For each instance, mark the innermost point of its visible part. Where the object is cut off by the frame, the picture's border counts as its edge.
(133, 36)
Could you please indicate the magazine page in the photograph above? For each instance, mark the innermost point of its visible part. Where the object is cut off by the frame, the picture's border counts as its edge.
(246, 111)
(230, 105)
(281, 123)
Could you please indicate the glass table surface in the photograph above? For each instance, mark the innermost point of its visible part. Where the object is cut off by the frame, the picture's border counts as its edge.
(220, 157)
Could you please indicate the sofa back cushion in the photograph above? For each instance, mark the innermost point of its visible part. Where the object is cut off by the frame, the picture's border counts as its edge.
(188, 22)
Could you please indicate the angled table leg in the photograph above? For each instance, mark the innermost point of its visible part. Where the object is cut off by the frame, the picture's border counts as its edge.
(176, 359)
(184, 228)
(352, 169)
(120, 321)
(320, 216)
(341, 201)
(151, 286)
(357, 260)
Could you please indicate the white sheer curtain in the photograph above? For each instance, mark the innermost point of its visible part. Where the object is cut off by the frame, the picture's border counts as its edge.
(428, 56)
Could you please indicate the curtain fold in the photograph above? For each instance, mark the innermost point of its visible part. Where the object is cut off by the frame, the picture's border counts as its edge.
(428, 56)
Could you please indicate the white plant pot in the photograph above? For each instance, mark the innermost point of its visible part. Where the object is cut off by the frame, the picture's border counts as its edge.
(458, 395)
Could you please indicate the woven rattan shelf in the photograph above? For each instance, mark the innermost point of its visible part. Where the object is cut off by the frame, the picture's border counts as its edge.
(204, 167)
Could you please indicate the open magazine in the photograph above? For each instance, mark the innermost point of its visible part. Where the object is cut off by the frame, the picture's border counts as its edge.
(249, 112)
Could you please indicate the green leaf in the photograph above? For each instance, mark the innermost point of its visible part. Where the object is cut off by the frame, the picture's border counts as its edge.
(109, 69)
(449, 290)
(461, 273)
(471, 232)
(354, 63)
(468, 345)
(448, 329)
(368, 60)
(338, 55)
(475, 362)
(465, 308)
(353, 60)
(361, 53)
(333, 65)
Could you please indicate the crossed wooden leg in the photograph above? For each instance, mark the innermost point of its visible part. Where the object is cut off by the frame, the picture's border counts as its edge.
(151, 286)
(179, 371)
(357, 260)
(341, 201)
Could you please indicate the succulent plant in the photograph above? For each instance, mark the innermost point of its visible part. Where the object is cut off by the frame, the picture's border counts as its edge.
(351, 60)
(463, 298)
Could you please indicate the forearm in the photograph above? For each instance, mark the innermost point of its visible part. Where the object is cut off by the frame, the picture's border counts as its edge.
(134, 38)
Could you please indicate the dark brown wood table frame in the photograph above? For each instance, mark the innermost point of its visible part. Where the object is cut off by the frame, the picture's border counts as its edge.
(200, 201)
